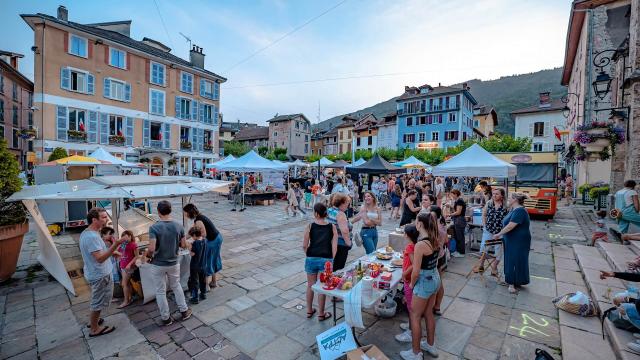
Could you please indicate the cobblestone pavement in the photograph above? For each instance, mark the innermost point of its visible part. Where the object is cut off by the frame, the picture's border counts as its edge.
(258, 310)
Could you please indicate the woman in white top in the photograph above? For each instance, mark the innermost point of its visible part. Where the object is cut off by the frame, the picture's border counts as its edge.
(627, 202)
(371, 216)
(439, 191)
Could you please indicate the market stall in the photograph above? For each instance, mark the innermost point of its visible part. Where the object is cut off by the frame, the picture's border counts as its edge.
(103, 155)
(112, 188)
(413, 163)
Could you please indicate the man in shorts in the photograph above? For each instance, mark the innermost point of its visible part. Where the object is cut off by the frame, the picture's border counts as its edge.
(165, 239)
(98, 268)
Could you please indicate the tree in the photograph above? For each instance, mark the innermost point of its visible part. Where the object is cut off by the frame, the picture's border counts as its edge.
(11, 213)
(58, 153)
(263, 150)
(235, 148)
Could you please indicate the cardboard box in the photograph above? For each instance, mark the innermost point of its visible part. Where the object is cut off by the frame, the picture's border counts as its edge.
(367, 352)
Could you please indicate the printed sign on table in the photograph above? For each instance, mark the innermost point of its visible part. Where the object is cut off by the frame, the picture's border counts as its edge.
(335, 342)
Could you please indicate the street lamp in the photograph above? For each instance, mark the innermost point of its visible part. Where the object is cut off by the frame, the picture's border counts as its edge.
(602, 83)
(566, 111)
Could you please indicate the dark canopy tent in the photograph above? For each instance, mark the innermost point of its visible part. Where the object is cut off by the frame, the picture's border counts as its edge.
(340, 164)
(377, 165)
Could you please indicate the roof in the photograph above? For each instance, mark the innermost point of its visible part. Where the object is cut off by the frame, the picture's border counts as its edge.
(279, 118)
(484, 110)
(5, 67)
(438, 90)
(364, 121)
(11, 54)
(576, 20)
(122, 40)
(252, 133)
(331, 133)
(556, 105)
(376, 165)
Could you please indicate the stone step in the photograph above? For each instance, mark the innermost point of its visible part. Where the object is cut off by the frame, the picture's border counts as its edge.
(635, 247)
(619, 341)
(617, 255)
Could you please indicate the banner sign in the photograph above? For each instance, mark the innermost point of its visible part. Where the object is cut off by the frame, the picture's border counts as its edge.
(335, 342)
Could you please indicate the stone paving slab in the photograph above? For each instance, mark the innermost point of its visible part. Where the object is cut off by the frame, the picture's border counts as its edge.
(124, 336)
(535, 327)
(464, 311)
(251, 336)
(581, 345)
(56, 329)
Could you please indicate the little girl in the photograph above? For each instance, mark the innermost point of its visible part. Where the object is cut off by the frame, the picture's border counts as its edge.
(396, 195)
(600, 231)
(411, 234)
(128, 250)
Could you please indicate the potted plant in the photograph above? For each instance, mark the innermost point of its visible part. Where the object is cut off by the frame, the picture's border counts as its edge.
(595, 128)
(117, 139)
(185, 144)
(76, 134)
(13, 215)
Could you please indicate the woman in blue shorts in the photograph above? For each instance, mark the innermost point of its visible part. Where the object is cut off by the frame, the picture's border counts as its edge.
(320, 245)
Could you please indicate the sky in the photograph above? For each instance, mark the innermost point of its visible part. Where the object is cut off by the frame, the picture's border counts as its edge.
(330, 57)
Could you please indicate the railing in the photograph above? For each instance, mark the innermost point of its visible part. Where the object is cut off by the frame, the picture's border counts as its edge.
(586, 199)
(76, 136)
(602, 202)
(157, 144)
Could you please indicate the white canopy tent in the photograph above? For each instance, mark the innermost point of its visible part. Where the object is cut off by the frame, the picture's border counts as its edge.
(357, 162)
(412, 162)
(297, 163)
(476, 161)
(220, 162)
(322, 162)
(102, 154)
(111, 188)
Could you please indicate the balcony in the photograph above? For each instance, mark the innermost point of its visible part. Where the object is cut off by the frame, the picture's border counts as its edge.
(156, 144)
(208, 148)
(117, 140)
(185, 145)
(76, 136)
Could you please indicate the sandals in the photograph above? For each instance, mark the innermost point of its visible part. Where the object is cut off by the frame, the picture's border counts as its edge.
(495, 273)
(310, 314)
(100, 322)
(437, 312)
(104, 331)
(324, 316)
(124, 305)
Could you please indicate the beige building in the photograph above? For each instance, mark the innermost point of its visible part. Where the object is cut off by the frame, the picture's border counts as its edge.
(485, 120)
(597, 29)
(292, 132)
(96, 86)
(345, 134)
(330, 142)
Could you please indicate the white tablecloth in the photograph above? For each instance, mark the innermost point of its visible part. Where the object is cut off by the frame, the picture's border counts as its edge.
(148, 286)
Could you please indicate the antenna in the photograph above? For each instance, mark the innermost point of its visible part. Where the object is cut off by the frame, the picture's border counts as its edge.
(186, 38)
(318, 112)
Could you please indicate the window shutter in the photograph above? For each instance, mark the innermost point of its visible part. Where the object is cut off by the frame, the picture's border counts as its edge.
(90, 84)
(106, 54)
(178, 109)
(127, 92)
(128, 61)
(202, 88)
(455, 135)
(107, 88)
(547, 130)
(147, 70)
(61, 122)
(167, 135)
(194, 139)
(104, 128)
(201, 140)
(201, 112)
(92, 134)
(129, 131)
(65, 78)
(215, 115)
(531, 129)
(216, 91)
(66, 42)
(194, 110)
(89, 49)
(146, 133)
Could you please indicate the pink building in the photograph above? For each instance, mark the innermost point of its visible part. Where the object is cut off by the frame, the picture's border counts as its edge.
(292, 132)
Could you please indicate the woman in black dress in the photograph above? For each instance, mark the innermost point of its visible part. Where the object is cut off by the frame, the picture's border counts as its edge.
(409, 210)
(213, 260)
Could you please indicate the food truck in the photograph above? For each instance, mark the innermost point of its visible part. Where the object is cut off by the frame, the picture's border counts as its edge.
(536, 177)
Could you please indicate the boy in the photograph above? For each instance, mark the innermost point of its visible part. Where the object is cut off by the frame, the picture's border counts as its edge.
(106, 233)
(197, 277)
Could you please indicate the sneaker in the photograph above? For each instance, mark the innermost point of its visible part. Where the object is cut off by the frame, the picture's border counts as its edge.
(194, 300)
(405, 326)
(203, 296)
(457, 255)
(634, 347)
(410, 355)
(234, 210)
(185, 314)
(636, 335)
(168, 321)
(430, 349)
(404, 337)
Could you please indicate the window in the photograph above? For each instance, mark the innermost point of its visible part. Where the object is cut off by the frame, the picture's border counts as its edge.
(184, 134)
(186, 83)
(15, 115)
(349, 135)
(275, 133)
(117, 90)
(537, 147)
(30, 146)
(208, 89)
(157, 73)
(15, 139)
(185, 108)
(464, 136)
(450, 135)
(306, 148)
(476, 123)
(435, 136)
(452, 117)
(78, 46)
(118, 58)
(15, 91)
(77, 119)
(357, 141)
(306, 138)
(422, 137)
(341, 135)
(370, 140)
(538, 129)
(409, 121)
(209, 114)
(116, 125)
(208, 138)
(297, 125)
(156, 131)
(1, 131)
(30, 100)
(1, 84)
(1, 110)
(78, 81)
(409, 138)
(157, 102)
(30, 119)
(422, 120)
(439, 118)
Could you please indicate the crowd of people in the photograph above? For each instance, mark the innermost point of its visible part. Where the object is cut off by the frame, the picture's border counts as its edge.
(108, 259)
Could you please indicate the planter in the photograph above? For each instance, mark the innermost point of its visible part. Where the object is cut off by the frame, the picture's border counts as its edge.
(10, 244)
(597, 131)
(593, 148)
(601, 142)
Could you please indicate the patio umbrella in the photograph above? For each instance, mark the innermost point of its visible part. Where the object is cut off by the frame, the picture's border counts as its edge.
(76, 160)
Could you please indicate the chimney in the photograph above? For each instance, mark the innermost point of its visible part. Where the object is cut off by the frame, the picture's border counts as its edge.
(464, 86)
(63, 13)
(196, 56)
(14, 62)
(545, 99)
(439, 84)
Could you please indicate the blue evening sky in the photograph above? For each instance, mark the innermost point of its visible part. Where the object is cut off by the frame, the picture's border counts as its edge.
(406, 42)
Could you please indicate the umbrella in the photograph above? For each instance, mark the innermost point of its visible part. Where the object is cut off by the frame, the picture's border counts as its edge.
(76, 160)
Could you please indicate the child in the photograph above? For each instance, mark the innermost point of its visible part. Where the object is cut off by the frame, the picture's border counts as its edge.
(197, 276)
(600, 231)
(128, 257)
(411, 234)
(396, 195)
(106, 233)
(316, 190)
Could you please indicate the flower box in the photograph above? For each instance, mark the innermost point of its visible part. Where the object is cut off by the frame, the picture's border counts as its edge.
(185, 145)
(77, 135)
(597, 131)
(601, 142)
(117, 140)
(593, 148)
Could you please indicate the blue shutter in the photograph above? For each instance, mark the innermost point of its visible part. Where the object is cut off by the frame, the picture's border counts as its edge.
(166, 137)
(127, 92)
(194, 139)
(65, 78)
(146, 133)
(104, 128)
(107, 88)
(178, 110)
(201, 113)
(194, 110)
(215, 115)
(90, 84)
(201, 140)
(92, 134)
(203, 90)
(61, 122)
(128, 132)
(183, 82)
(216, 91)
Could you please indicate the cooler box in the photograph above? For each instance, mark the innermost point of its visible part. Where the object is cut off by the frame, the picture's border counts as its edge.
(477, 216)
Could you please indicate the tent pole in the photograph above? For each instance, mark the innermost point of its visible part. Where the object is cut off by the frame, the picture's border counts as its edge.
(114, 216)
(243, 182)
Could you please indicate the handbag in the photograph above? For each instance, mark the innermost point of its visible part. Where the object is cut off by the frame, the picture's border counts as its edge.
(543, 355)
(575, 303)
